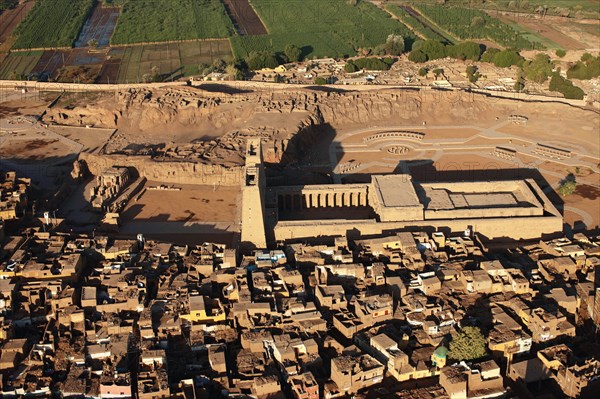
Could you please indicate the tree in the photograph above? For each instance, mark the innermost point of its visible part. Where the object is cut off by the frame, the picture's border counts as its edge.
(560, 53)
(437, 72)
(538, 69)
(465, 51)
(489, 54)
(423, 71)
(507, 58)
(468, 344)
(417, 56)
(566, 87)
(320, 81)
(472, 73)
(433, 49)
(351, 67)
(261, 59)
(293, 53)
(584, 70)
(394, 45)
(233, 71)
(568, 185)
(520, 81)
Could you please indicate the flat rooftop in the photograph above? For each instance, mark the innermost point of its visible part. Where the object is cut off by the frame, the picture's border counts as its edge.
(474, 195)
(396, 191)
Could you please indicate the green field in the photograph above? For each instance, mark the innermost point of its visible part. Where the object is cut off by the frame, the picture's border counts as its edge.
(19, 65)
(167, 20)
(584, 8)
(420, 28)
(320, 28)
(171, 60)
(52, 23)
(468, 23)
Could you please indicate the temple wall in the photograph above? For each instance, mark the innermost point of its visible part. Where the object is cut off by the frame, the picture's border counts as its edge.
(492, 228)
(165, 171)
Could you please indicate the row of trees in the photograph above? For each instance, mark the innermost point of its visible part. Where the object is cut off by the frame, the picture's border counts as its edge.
(424, 51)
(369, 64)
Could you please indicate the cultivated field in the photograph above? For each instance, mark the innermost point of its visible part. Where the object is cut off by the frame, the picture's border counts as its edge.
(143, 21)
(406, 15)
(173, 60)
(244, 17)
(19, 65)
(52, 23)
(469, 23)
(334, 28)
(10, 19)
(99, 26)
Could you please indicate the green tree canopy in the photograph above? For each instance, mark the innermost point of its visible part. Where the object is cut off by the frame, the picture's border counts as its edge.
(538, 69)
(468, 344)
(417, 56)
(261, 59)
(351, 67)
(584, 70)
(433, 49)
(465, 51)
(489, 54)
(293, 53)
(568, 185)
(566, 87)
(507, 58)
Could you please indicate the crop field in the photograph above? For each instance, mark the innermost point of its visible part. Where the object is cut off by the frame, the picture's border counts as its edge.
(10, 19)
(171, 60)
(19, 65)
(143, 21)
(99, 26)
(244, 17)
(52, 23)
(418, 26)
(332, 28)
(468, 23)
(586, 8)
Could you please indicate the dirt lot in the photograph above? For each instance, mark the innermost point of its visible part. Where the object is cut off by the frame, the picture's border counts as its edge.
(192, 204)
(92, 139)
(32, 149)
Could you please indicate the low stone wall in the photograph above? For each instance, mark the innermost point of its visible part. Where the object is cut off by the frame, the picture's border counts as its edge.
(167, 171)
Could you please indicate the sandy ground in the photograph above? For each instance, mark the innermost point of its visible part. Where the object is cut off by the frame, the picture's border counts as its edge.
(194, 203)
(92, 139)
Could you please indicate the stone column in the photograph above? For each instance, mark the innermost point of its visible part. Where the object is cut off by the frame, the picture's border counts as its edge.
(339, 199)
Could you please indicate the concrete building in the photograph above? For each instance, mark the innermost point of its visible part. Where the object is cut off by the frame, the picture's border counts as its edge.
(480, 380)
(353, 373)
(576, 377)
